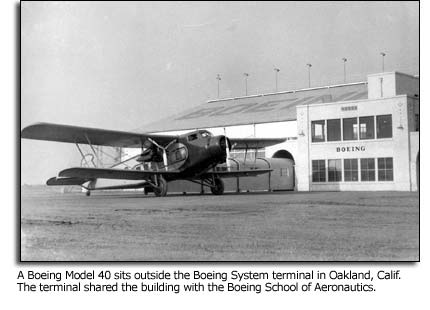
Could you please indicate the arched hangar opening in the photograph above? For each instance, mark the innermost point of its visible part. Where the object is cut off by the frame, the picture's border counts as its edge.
(283, 154)
(283, 174)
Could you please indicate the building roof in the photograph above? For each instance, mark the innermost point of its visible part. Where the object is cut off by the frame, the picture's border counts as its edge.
(265, 108)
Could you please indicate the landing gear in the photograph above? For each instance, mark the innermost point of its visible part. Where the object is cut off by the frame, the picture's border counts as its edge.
(88, 193)
(217, 187)
(160, 190)
(214, 182)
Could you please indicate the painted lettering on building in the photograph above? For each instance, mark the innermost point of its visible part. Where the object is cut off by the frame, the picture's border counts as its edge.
(342, 149)
(349, 108)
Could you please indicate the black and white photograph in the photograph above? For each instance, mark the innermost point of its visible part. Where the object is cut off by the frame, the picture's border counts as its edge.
(219, 131)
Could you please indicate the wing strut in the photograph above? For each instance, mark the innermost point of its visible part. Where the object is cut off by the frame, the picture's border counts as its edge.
(92, 148)
(84, 157)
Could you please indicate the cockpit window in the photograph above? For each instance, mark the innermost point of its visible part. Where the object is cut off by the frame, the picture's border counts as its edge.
(192, 137)
(205, 134)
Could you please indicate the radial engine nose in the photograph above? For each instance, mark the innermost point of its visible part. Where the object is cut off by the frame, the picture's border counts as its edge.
(220, 145)
(222, 142)
(224, 145)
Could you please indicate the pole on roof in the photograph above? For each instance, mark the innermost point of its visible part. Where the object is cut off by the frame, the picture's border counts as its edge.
(276, 78)
(246, 83)
(383, 55)
(344, 69)
(309, 73)
(219, 79)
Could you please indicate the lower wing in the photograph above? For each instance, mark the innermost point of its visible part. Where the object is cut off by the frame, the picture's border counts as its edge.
(235, 173)
(78, 176)
(66, 181)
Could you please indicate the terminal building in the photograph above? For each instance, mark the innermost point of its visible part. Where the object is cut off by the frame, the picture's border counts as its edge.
(355, 136)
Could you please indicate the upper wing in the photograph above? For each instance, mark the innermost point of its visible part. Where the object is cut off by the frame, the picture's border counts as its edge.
(119, 174)
(236, 173)
(254, 143)
(95, 136)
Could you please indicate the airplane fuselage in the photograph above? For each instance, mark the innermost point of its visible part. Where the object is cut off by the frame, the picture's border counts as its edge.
(195, 153)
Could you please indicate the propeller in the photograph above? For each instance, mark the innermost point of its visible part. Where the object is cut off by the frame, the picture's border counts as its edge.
(227, 155)
(164, 149)
(227, 151)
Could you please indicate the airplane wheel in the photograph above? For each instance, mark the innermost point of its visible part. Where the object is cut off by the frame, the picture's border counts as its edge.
(218, 189)
(87, 193)
(161, 190)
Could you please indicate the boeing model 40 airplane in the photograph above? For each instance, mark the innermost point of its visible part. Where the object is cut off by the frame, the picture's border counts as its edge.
(197, 156)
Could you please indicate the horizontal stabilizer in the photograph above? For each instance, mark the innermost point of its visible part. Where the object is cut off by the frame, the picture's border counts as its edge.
(65, 181)
(117, 174)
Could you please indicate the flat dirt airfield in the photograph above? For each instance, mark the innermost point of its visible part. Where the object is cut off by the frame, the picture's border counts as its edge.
(280, 226)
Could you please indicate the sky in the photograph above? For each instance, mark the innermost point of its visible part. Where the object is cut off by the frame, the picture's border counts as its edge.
(124, 65)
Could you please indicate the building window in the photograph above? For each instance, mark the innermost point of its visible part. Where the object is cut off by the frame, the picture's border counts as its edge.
(250, 156)
(284, 172)
(367, 125)
(318, 171)
(318, 131)
(351, 169)
(417, 122)
(350, 131)
(385, 169)
(367, 166)
(384, 126)
(333, 130)
(334, 170)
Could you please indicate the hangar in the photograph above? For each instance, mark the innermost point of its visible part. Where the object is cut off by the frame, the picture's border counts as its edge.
(354, 136)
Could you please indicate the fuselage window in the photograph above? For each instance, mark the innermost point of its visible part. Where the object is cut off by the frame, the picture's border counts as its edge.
(192, 137)
(206, 134)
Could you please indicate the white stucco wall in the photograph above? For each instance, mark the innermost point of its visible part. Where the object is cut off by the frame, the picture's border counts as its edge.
(396, 147)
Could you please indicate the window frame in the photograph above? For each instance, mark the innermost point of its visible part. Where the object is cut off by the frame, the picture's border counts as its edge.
(383, 171)
(340, 129)
(372, 127)
(320, 171)
(366, 171)
(313, 137)
(334, 172)
(350, 172)
(378, 132)
(356, 128)
(417, 122)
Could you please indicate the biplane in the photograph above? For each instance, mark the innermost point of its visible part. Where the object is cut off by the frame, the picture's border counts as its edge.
(197, 156)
